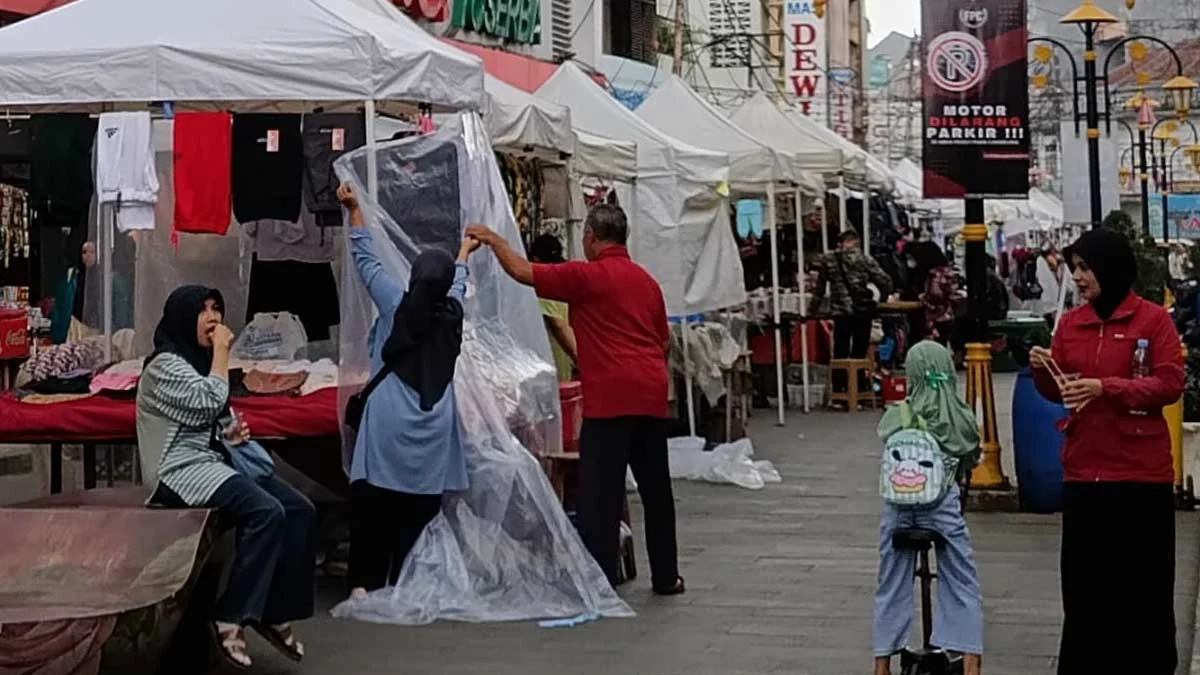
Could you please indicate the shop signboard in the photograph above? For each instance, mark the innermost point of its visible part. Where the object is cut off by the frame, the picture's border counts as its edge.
(841, 101)
(976, 99)
(1183, 215)
(518, 21)
(805, 58)
(427, 10)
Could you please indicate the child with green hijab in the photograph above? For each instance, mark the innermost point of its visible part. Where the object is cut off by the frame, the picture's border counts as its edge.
(933, 405)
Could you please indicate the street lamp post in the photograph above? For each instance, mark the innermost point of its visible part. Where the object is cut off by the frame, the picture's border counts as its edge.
(1090, 18)
(1162, 165)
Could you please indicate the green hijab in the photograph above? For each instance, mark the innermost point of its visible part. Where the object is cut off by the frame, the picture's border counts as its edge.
(933, 403)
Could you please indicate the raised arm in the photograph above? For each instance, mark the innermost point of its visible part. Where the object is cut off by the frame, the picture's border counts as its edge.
(384, 291)
(513, 263)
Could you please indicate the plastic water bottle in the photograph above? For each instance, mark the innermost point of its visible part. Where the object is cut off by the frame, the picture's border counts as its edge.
(1141, 359)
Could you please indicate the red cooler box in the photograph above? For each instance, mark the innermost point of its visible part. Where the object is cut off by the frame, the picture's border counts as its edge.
(895, 389)
(570, 395)
(14, 334)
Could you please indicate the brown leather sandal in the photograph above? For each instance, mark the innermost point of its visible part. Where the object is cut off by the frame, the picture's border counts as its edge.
(232, 645)
(283, 639)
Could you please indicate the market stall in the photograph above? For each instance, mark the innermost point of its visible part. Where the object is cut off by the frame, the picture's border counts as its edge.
(756, 170)
(678, 202)
(253, 81)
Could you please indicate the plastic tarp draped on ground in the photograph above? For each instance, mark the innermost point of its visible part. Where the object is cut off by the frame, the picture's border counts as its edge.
(504, 549)
(228, 52)
(74, 563)
(678, 217)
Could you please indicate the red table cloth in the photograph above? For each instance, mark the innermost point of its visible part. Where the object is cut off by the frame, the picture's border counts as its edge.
(101, 418)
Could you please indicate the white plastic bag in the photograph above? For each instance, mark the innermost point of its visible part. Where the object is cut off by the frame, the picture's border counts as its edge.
(278, 336)
(729, 463)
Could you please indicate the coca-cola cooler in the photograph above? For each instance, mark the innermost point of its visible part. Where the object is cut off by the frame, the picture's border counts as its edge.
(14, 334)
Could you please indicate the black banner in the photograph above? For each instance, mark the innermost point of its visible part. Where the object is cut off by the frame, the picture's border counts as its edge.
(976, 99)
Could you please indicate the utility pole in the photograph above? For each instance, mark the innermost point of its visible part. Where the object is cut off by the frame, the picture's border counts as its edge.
(677, 68)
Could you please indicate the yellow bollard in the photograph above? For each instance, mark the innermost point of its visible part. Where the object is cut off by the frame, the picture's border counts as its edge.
(1174, 416)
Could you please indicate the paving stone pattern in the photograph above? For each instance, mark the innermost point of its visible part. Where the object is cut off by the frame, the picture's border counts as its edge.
(780, 581)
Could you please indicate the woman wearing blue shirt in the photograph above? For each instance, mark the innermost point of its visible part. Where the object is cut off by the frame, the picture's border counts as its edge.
(409, 447)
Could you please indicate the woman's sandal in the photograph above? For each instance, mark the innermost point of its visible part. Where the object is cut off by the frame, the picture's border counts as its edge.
(283, 639)
(232, 644)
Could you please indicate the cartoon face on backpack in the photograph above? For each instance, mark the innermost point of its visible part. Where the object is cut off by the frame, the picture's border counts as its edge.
(914, 471)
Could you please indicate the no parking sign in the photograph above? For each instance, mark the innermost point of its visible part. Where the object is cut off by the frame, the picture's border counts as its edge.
(976, 99)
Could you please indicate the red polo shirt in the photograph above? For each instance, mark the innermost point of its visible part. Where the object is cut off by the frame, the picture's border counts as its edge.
(620, 321)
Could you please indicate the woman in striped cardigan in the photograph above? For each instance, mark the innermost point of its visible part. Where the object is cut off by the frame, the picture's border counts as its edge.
(185, 426)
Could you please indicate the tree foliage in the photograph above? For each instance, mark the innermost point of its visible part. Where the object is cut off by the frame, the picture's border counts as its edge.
(1151, 261)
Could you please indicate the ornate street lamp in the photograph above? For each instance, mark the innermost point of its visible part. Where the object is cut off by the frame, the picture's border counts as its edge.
(1090, 18)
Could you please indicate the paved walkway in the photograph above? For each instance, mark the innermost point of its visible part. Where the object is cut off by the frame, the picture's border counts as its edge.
(779, 580)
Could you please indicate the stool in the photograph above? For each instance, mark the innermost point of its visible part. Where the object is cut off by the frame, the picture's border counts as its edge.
(561, 469)
(853, 369)
(928, 659)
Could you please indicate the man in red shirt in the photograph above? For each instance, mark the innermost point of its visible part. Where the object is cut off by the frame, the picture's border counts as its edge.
(620, 323)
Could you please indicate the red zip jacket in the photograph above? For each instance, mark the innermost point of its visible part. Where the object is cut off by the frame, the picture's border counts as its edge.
(1120, 435)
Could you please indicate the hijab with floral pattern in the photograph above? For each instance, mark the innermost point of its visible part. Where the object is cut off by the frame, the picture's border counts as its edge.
(933, 403)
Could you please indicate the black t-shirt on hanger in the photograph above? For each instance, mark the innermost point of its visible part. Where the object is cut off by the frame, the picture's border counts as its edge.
(268, 163)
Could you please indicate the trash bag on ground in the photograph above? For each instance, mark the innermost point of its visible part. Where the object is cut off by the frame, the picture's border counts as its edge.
(728, 464)
(504, 549)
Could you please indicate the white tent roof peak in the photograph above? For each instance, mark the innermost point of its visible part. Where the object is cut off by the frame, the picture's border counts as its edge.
(238, 54)
(595, 111)
(753, 163)
(759, 116)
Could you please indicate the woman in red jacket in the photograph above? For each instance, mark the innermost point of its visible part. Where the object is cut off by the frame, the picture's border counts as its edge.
(1118, 536)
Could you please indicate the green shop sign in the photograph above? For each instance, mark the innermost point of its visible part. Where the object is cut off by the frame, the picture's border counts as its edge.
(510, 20)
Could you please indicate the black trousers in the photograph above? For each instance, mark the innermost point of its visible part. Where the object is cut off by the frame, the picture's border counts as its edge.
(384, 527)
(272, 578)
(851, 340)
(1118, 579)
(606, 447)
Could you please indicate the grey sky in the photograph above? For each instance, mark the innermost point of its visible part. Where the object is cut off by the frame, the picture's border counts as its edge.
(885, 16)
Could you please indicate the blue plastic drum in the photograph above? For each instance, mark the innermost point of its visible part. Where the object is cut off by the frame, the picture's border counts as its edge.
(1037, 447)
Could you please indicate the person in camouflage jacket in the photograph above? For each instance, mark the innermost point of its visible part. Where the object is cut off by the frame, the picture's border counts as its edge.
(842, 280)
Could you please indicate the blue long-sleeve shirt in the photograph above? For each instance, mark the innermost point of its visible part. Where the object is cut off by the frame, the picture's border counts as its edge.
(399, 446)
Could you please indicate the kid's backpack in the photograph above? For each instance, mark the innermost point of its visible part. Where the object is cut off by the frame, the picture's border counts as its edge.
(914, 472)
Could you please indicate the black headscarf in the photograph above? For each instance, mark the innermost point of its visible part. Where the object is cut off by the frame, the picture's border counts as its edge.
(427, 329)
(176, 331)
(1110, 257)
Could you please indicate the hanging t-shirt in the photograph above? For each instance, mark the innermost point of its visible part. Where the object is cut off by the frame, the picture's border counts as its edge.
(328, 136)
(203, 161)
(61, 183)
(267, 167)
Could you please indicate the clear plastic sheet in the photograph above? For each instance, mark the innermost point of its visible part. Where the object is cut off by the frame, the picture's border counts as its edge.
(728, 463)
(504, 549)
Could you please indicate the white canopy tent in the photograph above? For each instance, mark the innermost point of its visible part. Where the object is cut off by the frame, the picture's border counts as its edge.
(755, 168)
(678, 205)
(605, 157)
(679, 219)
(752, 162)
(267, 55)
(953, 211)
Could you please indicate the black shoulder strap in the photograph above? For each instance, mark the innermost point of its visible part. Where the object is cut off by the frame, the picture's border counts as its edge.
(388, 367)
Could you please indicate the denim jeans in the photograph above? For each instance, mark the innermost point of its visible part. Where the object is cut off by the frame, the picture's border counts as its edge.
(272, 577)
(958, 613)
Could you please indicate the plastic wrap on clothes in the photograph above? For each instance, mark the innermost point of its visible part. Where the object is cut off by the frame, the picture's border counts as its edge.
(728, 463)
(504, 549)
(711, 351)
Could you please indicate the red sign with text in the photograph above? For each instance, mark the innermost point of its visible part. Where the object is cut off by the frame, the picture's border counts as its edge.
(429, 10)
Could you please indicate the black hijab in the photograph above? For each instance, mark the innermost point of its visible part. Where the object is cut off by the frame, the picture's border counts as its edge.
(176, 331)
(1110, 257)
(426, 329)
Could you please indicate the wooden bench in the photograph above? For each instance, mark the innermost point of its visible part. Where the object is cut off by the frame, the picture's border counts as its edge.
(563, 470)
